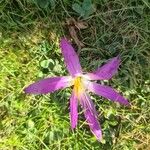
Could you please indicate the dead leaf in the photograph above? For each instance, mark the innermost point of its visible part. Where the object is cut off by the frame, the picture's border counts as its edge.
(81, 25)
(75, 38)
(74, 25)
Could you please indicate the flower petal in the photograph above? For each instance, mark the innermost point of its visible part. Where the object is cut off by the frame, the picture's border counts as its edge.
(47, 85)
(70, 57)
(91, 115)
(106, 71)
(73, 110)
(107, 92)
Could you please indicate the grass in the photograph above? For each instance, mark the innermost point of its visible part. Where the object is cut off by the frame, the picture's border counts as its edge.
(29, 35)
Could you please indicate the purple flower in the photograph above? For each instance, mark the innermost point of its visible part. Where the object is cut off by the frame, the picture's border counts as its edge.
(82, 85)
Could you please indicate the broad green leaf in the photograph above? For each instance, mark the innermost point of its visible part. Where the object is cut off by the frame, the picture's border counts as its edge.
(88, 7)
(52, 3)
(45, 63)
(43, 3)
(76, 7)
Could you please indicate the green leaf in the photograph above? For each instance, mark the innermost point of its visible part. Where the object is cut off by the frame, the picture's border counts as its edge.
(76, 7)
(113, 123)
(40, 74)
(53, 3)
(30, 124)
(58, 68)
(43, 3)
(88, 7)
(45, 63)
(140, 10)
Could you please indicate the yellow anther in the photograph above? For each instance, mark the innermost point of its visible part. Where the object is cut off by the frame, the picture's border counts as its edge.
(78, 86)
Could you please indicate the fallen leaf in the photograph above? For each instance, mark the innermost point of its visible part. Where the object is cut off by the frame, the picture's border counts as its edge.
(74, 25)
(75, 38)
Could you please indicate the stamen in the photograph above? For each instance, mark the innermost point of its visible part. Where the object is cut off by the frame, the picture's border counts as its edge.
(78, 86)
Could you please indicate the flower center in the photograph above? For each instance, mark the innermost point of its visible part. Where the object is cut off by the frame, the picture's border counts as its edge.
(78, 86)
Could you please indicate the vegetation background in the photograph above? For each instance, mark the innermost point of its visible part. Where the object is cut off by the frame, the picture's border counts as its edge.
(30, 31)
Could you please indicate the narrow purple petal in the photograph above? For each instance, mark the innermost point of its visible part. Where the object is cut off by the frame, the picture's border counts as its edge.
(91, 115)
(107, 92)
(47, 85)
(70, 57)
(106, 71)
(73, 110)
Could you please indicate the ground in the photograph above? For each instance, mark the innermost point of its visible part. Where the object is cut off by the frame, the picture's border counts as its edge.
(29, 50)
